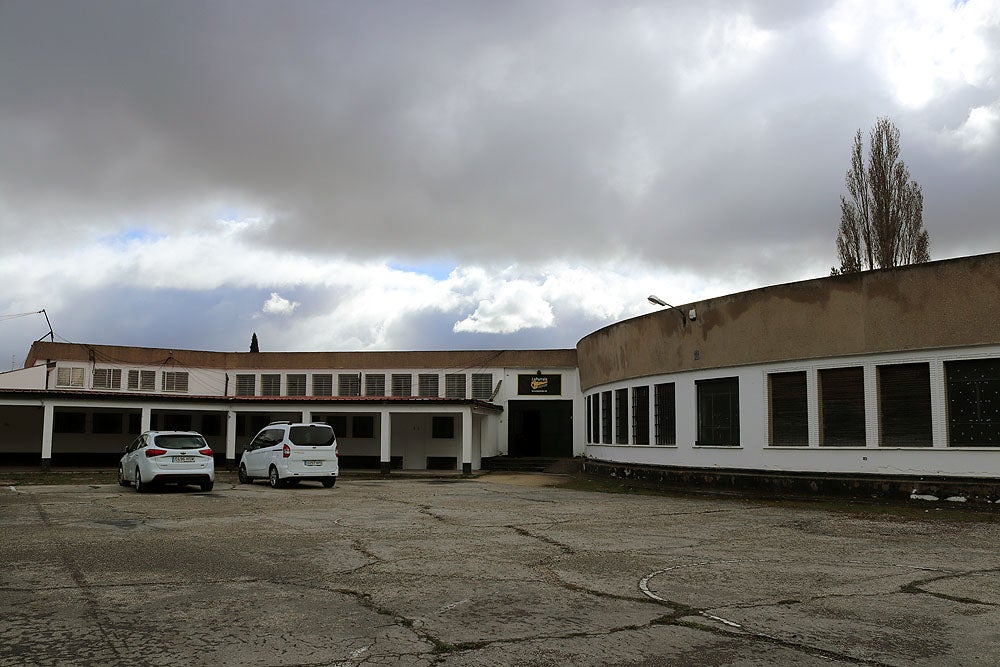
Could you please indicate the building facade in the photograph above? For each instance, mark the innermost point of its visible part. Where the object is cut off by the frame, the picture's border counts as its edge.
(404, 410)
(882, 373)
(891, 372)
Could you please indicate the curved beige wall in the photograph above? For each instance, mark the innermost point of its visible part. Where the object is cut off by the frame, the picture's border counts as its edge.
(943, 304)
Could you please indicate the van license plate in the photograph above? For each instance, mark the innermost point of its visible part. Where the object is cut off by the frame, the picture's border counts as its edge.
(183, 459)
(314, 463)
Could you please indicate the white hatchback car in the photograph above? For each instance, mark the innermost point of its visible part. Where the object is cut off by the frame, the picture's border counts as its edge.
(167, 457)
(287, 453)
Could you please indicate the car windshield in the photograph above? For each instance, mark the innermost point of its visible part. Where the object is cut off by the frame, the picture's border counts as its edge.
(311, 435)
(180, 441)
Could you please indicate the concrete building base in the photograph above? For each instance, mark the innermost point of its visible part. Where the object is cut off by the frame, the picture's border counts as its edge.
(890, 487)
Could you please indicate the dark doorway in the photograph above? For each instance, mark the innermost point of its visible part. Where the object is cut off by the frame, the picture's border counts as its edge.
(540, 428)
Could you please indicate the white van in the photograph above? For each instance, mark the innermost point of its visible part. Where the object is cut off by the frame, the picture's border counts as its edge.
(288, 453)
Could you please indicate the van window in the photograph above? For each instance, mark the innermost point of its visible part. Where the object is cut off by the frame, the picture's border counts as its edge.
(314, 434)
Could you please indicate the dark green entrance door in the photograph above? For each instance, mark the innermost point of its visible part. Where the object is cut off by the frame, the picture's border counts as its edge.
(540, 428)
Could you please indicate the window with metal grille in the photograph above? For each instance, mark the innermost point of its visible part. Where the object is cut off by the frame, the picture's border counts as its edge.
(606, 417)
(427, 384)
(175, 381)
(789, 409)
(973, 388)
(595, 400)
(176, 421)
(664, 413)
(246, 384)
(142, 380)
(375, 384)
(107, 378)
(69, 422)
(211, 425)
(322, 384)
(69, 377)
(842, 407)
(339, 424)
(590, 429)
(454, 385)
(348, 384)
(363, 426)
(482, 385)
(719, 411)
(640, 415)
(107, 422)
(270, 384)
(295, 384)
(402, 384)
(443, 427)
(904, 398)
(621, 416)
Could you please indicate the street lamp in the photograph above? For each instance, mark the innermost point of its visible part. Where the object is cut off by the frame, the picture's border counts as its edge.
(657, 301)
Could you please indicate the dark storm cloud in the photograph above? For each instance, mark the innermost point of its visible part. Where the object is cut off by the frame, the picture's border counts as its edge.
(705, 138)
(423, 129)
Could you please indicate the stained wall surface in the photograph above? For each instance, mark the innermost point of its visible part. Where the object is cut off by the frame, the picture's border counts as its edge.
(944, 304)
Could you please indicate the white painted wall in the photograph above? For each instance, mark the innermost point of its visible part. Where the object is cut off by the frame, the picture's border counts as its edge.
(24, 378)
(754, 452)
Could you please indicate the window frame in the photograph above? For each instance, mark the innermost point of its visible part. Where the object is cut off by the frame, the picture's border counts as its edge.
(322, 384)
(111, 378)
(429, 385)
(270, 384)
(175, 382)
(348, 384)
(718, 399)
(455, 385)
(640, 415)
(296, 384)
(70, 376)
(401, 384)
(375, 384)
(904, 405)
(788, 412)
(842, 410)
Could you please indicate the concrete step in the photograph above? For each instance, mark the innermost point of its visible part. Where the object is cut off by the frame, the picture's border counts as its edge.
(518, 463)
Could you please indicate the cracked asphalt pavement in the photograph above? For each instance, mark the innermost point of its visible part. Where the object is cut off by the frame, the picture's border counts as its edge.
(490, 571)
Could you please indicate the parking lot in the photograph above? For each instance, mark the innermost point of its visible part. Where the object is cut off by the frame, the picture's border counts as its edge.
(512, 570)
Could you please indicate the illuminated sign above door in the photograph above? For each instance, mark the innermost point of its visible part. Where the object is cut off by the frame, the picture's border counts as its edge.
(539, 384)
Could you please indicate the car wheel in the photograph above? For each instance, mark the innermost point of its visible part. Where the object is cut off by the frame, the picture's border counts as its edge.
(140, 486)
(244, 477)
(273, 479)
(207, 486)
(328, 483)
(121, 478)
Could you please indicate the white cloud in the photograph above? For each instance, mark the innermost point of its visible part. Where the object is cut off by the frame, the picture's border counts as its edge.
(980, 130)
(278, 305)
(920, 49)
(515, 305)
(565, 160)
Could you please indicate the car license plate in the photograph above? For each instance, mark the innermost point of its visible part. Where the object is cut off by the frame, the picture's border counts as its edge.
(313, 463)
(183, 459)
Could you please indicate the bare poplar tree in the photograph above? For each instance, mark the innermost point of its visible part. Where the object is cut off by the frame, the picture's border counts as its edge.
(881, 225)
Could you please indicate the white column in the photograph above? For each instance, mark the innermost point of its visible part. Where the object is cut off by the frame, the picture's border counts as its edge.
(146, 419)
(812, 407)
(48, 415)
(230, 435)
(871, 406)
(467, 441)
(385, 433)
(939, 409)
(652, 414)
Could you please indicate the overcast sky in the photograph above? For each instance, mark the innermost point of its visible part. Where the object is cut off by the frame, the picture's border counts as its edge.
(453, 175)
